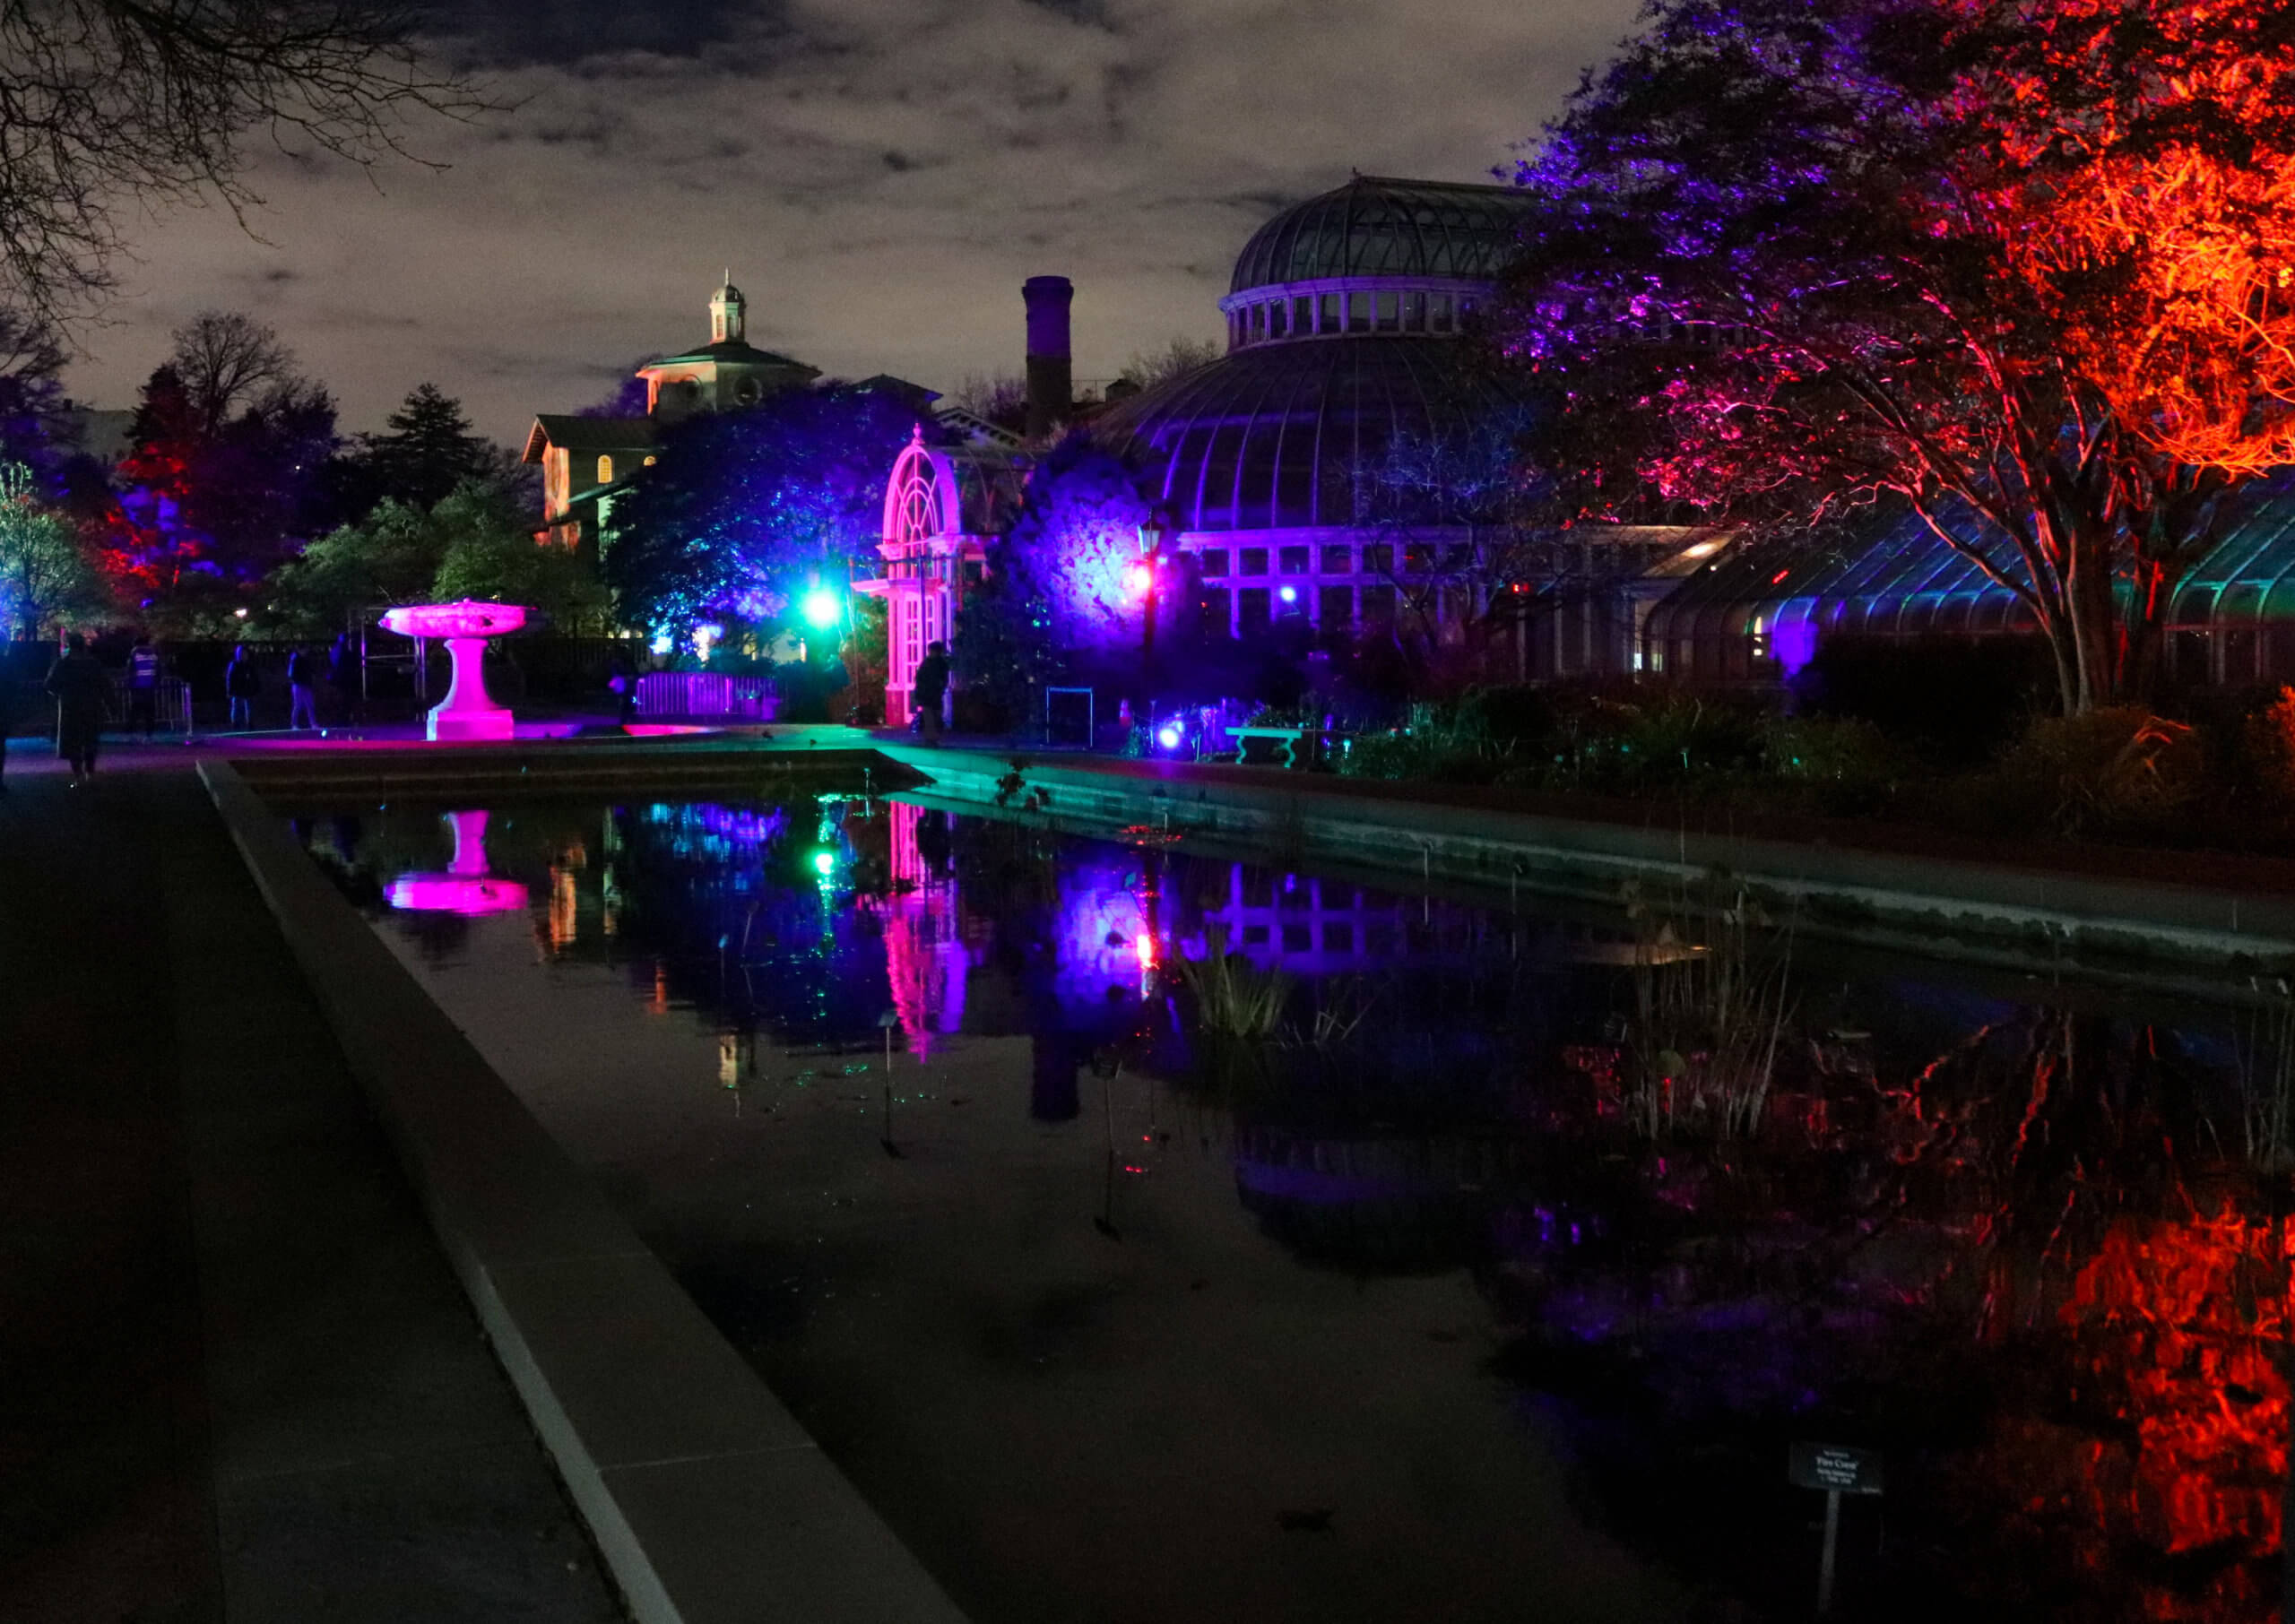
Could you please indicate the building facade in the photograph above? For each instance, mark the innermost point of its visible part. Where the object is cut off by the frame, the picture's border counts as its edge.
(584, 459)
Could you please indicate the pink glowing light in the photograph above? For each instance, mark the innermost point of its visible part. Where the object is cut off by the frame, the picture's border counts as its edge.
(465, 887)
(1139, 579)
(454, 894)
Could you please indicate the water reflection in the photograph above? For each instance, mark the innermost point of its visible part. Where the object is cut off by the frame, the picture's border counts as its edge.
(2009, 1236)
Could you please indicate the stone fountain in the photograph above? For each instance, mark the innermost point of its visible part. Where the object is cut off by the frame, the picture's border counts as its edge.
(467, 711)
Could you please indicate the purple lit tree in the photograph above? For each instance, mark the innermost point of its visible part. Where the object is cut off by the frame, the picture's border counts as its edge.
(1061, 598)
(2014, 264)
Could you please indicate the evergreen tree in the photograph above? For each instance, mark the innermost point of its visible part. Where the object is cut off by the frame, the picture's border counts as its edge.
(428, 449)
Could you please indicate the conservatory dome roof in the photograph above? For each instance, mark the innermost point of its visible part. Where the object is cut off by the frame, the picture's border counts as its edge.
(1375, 225)
(1269, 436)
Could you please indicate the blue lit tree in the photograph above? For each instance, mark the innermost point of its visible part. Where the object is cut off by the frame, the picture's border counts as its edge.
(746, 509)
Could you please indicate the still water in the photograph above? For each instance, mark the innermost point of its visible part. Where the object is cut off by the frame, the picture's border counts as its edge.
(1442, 1298)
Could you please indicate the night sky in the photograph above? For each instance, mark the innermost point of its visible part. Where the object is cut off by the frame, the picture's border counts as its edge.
(880, 174)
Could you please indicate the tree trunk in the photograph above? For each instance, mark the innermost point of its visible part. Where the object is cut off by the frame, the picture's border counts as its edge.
(2095, 620)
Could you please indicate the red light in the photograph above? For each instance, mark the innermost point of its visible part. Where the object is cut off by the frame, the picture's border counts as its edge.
(1780, 575)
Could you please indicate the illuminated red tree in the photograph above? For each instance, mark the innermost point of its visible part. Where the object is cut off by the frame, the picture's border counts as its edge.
(2018, 264)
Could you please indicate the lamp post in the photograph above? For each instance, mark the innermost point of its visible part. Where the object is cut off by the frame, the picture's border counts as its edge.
(1148, 572)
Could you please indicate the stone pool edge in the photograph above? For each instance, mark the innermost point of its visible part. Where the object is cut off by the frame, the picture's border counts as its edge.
(2002, 913)
(708, 1501)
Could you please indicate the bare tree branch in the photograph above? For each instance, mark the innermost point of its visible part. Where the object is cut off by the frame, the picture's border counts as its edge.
(108, 106)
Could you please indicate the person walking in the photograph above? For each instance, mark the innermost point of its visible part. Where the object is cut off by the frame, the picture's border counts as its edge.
(143, 686)
(621, 682)
(931, 690)
(303, 690)
(79, 687)
(241, 684)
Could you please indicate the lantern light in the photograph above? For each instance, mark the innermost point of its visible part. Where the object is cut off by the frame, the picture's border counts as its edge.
(1139, 579)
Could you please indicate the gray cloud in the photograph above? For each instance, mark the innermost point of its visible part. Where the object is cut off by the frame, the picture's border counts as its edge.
(880, 174)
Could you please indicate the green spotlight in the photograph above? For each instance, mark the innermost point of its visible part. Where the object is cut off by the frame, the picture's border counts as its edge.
(821, 608)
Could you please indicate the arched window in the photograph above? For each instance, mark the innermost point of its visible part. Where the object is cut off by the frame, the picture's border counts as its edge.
(605, 470)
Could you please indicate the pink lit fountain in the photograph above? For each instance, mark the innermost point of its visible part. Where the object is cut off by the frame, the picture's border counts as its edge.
(467, 711)
(465, 887)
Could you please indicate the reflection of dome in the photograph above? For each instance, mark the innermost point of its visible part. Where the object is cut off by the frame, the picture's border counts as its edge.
(1341, 335)
(1268, 436)
(1376, 227)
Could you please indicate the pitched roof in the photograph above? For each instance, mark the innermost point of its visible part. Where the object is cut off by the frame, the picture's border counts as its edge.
(732, 351)
(573, 433)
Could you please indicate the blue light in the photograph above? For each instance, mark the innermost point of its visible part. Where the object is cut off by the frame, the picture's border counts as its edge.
(1289, 594)
(821, 608)
(1169, 736)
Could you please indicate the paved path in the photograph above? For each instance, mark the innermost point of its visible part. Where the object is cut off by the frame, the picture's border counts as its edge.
(237, 1381)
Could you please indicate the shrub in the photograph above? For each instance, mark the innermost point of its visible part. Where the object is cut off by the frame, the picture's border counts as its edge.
(1845, 767)
(2118, 772)
(2268, 750)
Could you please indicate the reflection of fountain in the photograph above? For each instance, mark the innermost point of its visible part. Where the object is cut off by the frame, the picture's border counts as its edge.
(467, 711)
(465, 887)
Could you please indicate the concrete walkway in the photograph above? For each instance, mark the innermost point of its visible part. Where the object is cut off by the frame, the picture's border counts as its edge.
(239, 1381)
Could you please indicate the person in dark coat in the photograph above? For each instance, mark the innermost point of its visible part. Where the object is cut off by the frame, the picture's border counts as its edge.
(79, 688)
(303, 690)
(342, 677)
(932, 689)
(242, 682)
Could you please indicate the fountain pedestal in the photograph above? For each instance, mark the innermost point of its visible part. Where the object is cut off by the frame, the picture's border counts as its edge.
(468, 711)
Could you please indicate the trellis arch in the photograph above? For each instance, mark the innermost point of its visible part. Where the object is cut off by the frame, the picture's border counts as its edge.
(922, 501)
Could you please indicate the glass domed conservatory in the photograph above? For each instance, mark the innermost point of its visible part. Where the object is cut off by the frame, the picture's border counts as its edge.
(1344, 317)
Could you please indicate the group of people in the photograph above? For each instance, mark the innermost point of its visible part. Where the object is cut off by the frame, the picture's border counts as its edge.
(82, 690)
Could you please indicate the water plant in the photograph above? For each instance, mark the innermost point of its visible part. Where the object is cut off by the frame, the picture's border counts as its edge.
(1710, 1004)
(1234, 998)
(2267, 1074)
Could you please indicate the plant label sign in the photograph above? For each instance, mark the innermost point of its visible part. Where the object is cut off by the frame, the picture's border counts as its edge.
(1835, 1468)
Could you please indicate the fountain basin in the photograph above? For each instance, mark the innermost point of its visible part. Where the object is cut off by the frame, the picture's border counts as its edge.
(467, 711)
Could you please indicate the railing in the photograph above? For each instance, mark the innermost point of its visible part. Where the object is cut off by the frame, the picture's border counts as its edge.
(697, 694)
(170, 707)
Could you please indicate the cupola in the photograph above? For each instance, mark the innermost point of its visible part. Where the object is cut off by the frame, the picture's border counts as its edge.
(728, 317)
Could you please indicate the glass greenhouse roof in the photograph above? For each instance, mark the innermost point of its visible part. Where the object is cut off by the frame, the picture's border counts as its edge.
(1376, 227)
(1890, 576)
(1266, 437)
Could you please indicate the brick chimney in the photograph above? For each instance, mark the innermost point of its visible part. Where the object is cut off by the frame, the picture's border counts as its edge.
(1051, 371)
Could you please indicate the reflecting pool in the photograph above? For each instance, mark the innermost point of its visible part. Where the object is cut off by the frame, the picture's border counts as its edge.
(1153, 1237)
